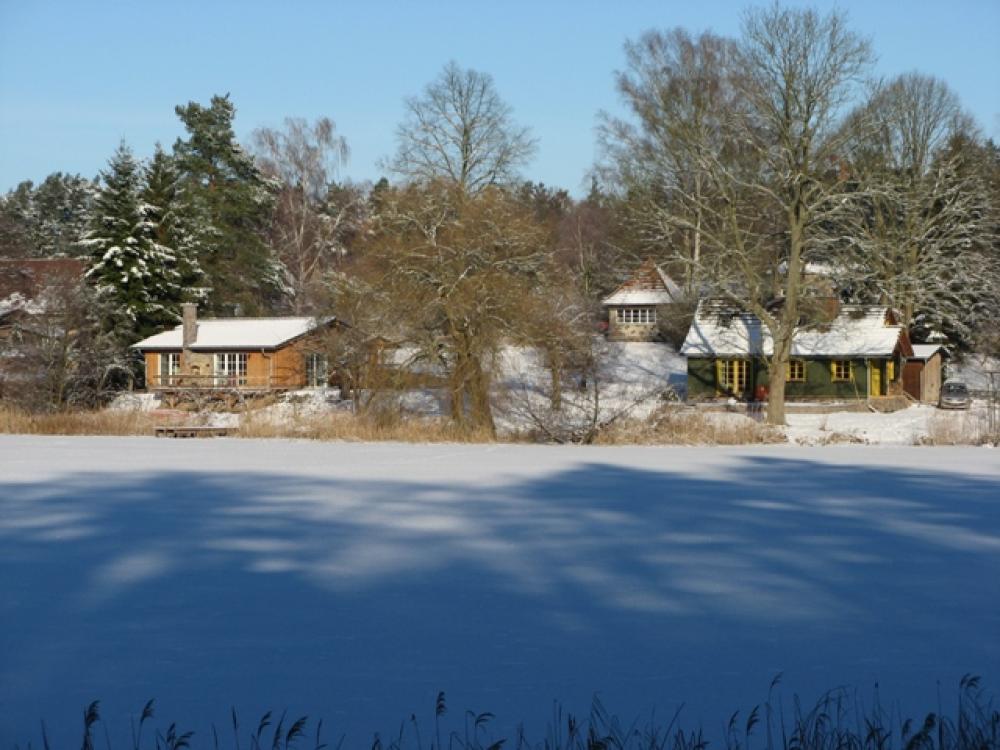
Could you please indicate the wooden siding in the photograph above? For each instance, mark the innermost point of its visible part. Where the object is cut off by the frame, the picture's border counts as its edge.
(922, 380)
(818, 383)
(282, 368)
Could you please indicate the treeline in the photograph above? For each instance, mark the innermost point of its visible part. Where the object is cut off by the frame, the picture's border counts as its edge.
(769, 169)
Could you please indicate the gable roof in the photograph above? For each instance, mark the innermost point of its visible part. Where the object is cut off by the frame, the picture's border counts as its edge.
(649, 285)
(214, 334)
(926, 351)
(720, 329)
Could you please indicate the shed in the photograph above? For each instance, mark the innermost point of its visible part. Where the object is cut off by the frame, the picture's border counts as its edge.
(635, 307)
(922, 373)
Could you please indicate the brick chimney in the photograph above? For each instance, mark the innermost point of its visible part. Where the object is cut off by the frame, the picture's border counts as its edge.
(189, 318)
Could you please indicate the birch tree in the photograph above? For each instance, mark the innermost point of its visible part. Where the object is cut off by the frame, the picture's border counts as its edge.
(461, 131)
(314, 217)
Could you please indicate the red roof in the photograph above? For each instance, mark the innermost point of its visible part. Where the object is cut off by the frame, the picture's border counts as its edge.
(29, 276)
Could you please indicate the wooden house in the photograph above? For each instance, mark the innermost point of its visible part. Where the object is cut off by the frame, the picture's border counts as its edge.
(922, 373)
(244, 354)
(858, 353)
(635, 308)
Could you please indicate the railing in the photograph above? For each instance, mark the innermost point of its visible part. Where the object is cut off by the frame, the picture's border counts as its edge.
(211, 382)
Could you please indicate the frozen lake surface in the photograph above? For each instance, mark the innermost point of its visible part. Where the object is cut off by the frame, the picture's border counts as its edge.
(355, 581)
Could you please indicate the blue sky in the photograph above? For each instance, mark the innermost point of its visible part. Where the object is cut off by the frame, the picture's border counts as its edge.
(76, 77)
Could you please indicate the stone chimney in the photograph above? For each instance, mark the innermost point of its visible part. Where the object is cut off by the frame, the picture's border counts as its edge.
(189, 317)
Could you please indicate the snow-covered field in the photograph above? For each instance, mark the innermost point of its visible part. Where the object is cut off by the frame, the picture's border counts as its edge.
(913, 425)
(355, 581)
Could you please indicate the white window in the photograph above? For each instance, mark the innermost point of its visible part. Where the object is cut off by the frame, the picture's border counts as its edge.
(170, 367)
(646, 315)
(317, 368)
(231, 369)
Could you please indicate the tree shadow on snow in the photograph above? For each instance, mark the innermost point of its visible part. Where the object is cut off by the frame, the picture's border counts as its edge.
(355, 599)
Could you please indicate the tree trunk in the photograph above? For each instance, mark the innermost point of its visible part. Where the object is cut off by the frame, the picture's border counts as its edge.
(479, 397)
(555, 372)
(776, 389)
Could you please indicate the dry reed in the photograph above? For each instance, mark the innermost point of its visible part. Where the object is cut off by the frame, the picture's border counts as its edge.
(962, 428)
(672, 425)
(105, 422)
(351, 428)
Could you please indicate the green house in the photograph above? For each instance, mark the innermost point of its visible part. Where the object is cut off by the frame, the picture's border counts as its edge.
(858, 354)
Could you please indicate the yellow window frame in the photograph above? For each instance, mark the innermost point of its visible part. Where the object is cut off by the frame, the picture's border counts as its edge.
(841, 370)
(795, 371)
(729, 370)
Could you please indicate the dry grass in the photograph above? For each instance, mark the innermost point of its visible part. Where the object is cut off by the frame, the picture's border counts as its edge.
(15, 421)
(958, 428)
(672, 425)
(351, 428)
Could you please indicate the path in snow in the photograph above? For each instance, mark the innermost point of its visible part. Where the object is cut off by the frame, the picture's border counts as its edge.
(354, 581)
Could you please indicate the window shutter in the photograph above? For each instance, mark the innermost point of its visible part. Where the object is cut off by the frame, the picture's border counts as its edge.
(850, 368)
(788, 370)
(719, 374)
(890, 370)
(833, 369)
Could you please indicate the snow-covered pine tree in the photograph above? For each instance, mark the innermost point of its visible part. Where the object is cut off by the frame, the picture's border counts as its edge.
(48, 219)
(125, 264)
(176, 276)
(63, 205)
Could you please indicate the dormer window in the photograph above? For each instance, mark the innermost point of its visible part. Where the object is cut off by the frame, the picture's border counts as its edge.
(641, 315)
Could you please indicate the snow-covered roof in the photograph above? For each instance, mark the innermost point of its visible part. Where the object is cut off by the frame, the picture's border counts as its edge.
(18, 302)
(648, 286)
(233, 333)
(926, 351)
(719, 329)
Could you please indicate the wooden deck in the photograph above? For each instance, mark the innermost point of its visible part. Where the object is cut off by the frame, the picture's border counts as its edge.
(192, 431)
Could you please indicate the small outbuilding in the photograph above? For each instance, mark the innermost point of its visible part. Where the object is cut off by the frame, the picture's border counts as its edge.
(859, 353)
(635, 307)
(922, 373)
(245, 354)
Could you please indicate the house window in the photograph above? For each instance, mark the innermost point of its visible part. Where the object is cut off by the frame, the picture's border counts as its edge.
(317, 368)
(630, 315)
(170, 366)
(841, 370)
(231, 369)
(795, 371)
(731, 375)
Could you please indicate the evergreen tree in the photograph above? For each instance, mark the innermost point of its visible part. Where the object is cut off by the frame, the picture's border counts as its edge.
(173, 239)
(128, 269)
(230, 204)
(48, 219)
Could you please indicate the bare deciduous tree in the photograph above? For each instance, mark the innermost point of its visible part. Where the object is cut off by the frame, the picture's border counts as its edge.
(769, 183)
(461, 131)
(62, 353)
(920, 239)
(454, 271)
(680, 90)
(314, 216)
